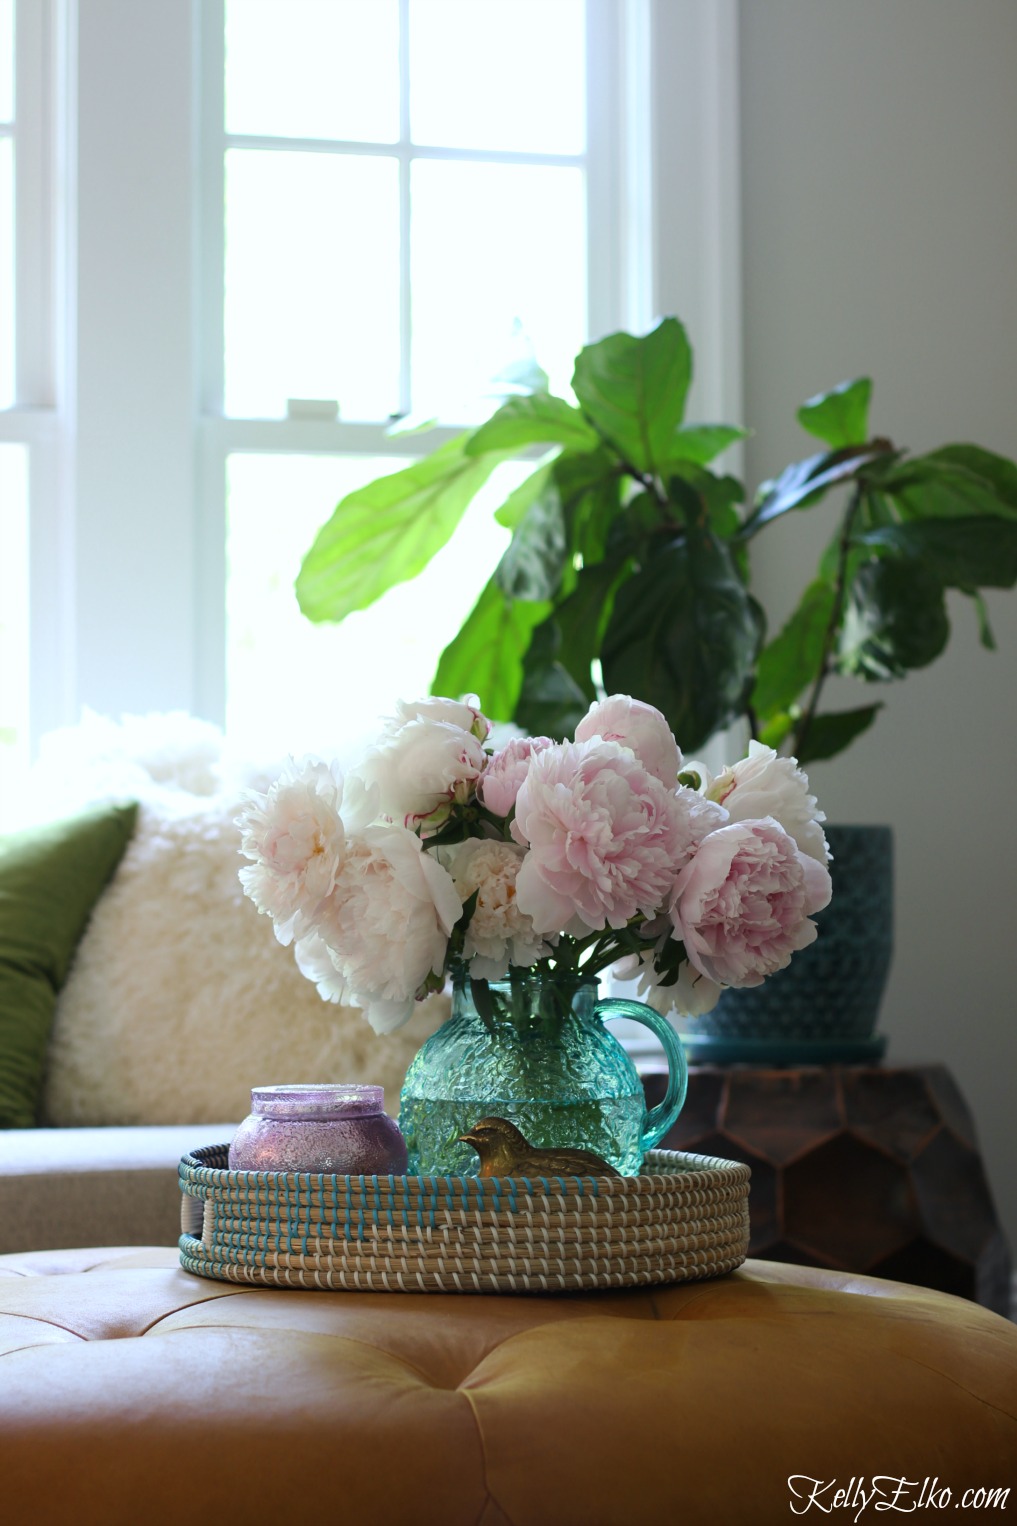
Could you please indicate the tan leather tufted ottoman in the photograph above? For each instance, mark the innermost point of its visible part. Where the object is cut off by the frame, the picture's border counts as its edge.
(131, 1392)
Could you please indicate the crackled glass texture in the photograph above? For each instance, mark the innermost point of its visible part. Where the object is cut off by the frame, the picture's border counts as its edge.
(340, 1129)
(533, 1049)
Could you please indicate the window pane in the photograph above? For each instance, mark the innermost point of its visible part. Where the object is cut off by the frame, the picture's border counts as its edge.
(502, 74)
(13, 626)
(6, 272)
(498, 265)
(6, 60)
(292, 685)
(312, 282)
(313, 68)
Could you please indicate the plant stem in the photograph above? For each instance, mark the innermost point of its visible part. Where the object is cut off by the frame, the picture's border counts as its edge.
(804, 724)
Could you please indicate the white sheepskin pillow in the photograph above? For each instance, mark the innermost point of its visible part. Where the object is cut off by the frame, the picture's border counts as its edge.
(180, 998)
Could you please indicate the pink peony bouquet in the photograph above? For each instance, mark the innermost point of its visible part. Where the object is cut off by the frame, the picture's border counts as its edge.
(604, 852)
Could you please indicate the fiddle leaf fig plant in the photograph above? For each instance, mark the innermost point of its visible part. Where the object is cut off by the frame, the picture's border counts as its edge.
(629, 566)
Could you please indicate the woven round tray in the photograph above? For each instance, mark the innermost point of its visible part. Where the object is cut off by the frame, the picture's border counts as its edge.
(685, 1218)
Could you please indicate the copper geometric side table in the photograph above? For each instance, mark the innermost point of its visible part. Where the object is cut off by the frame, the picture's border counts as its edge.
(870, 1169)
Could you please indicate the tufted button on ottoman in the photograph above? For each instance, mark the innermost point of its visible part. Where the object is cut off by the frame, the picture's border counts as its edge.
(131, 1392)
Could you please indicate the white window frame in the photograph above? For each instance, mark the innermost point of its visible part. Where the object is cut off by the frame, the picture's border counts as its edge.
(36, 420)
(128, 466)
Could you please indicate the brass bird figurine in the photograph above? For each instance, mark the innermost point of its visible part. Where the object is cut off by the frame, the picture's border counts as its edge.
(504, 1151)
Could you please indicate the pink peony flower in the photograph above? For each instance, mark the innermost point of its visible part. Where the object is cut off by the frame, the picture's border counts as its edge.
(741, 905)
(295, 838)
(385, 926)
(605, 838)
(506, 771)
(764, 784)
(499, 933)
(639, 727)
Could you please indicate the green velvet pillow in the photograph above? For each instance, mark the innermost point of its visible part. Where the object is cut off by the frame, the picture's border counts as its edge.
(50, 879)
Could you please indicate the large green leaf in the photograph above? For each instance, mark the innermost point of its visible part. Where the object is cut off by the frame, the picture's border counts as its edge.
(940, 486)
(388, 531)
(895, 619)
(841, 416)
(581, 619)
(702, 443)
(486, 656)
(590, 488)
(960, 553)
(550, 702)
(531, 566)
(633, 391)
(534, 420)
(793, 659)
(829, 734)
(715, 498)
(805, 482)
(514, 509)
(998, 471)
(684, 635)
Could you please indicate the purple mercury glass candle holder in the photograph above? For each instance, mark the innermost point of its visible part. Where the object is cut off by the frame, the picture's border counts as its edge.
(337, 1129)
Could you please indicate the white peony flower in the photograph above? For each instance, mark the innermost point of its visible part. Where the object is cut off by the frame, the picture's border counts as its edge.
(465, 713)
(315, 963)
(638, 726)
(420, 765)
(499, 933)
(691, 994)
(296, 841)
(387, 923)
(764, 784)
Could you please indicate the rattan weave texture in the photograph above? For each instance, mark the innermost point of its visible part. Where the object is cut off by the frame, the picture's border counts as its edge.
(685, 1218)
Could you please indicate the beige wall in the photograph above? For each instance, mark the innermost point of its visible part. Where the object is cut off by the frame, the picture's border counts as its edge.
(879, 143)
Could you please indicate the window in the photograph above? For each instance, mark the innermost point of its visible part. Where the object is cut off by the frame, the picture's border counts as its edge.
(27, 422)
(171, 356)
(398, 237)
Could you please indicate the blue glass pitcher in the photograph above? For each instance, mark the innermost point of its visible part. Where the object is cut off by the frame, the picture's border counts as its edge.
(533, 1048)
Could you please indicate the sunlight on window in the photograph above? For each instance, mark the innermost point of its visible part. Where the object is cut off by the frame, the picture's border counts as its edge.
(13, 625)
(6, 272)
(499, 74)
(293, 685)
(513, 271)
(313, 68)
(312, 283)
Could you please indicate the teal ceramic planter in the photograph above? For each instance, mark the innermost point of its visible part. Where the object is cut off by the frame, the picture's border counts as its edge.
(823, 1008)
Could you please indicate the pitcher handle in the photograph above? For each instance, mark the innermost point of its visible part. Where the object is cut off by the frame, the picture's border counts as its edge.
(660, 1118)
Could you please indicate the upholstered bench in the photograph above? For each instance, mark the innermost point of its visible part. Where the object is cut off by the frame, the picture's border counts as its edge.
(133, 1392)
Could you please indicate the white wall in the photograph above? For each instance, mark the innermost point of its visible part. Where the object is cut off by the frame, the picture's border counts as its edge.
(879, 143)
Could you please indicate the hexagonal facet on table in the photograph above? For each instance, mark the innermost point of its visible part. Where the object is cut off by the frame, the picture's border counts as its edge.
(780, 1113)
(893, 1108)
(953, 1196)
(850, 1201)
